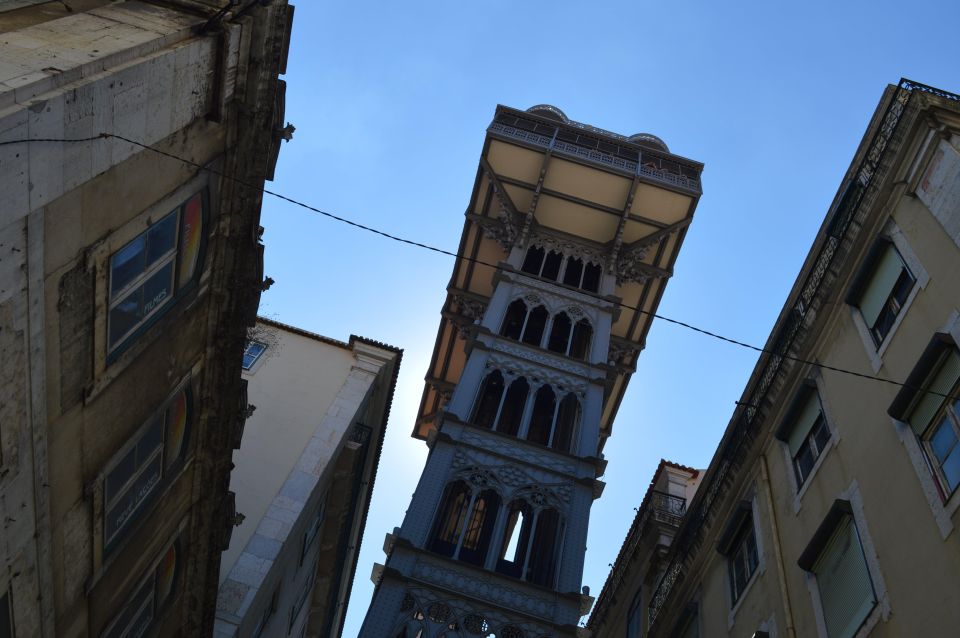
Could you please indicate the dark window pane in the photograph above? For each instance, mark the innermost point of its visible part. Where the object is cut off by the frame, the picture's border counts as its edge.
(542, 564)
(567, 417)
(536, 324)
(574, 271)
(161, 238)
(126, 264)
(551, 266)
(476, 539)
(544, 406)
(489, 400)
(591, 277)
(125, 315)
(516, 539)
(533, 260)
(513, 404)
(580, 343)
(559, 333)
(450, 517)
(150, 441)
(951, 469)
(120, 474)
(513, 321)
(157, 289)
(804, 463)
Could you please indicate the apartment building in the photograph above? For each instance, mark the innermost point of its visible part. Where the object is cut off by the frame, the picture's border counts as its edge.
(830, 506)
(128, 277)
(303, 477)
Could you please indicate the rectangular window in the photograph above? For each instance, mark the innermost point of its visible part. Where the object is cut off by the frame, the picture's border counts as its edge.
(805, 432)
(252, 352)
(301, 600)
(846, 590)
(151, 596)
(936, 420)
(6, 617)
(314, 530)
(147, 273)
(154, 455)
(738, 543)
(635, 616)
(881, 289)
(267, 613)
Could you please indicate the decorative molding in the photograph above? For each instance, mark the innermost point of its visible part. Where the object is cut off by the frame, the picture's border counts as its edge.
(529, 363)
(568, 249)
(561, 295)
(619, 351)
(429, 606)
(519, 452)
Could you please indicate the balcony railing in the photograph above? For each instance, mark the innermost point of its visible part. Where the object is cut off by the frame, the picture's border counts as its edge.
(667, 508)
(617, 154)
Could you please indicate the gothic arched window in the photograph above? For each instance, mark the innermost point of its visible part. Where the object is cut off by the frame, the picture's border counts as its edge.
(488, 403)
(573, 273)
(541, 420)
(448, 526)
(535, 326)
(591, 277)
(513, 321)
(464, 524)
(511, 411)
(580, 340)
(533, 262)
(566, 424)
(528, 549)
(560, 333)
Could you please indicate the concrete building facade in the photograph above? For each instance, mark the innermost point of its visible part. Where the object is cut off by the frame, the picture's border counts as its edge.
(570, 236)
(127, 280)
(830, 507)
(303, 477)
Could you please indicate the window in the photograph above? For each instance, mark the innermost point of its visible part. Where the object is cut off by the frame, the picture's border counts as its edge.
(805, 432)
(835, 557)
(301, 600)
(572, 271)
(315, 526)
(6, 617)
(154, 456)
(267, 614)
(501, 410)
(530, 543)
(934, 418)
(149, 272)
(464, 524)
(151, 596)
(739, 544)
(881, 289)
(570, 339)
(252, 352)
(635, 616)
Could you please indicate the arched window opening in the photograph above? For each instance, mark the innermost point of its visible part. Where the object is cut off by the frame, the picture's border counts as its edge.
(567, 416)
(560, 333)
(574, 272)
(544, 410)
(535, 326)
(543, 551)
(511, 412)
(551, 265)
(533, 262)
(512, 326)
(580, 341)
(448, 526)
(476, 537)
(489, 400)
(591, 277)
(516, 539)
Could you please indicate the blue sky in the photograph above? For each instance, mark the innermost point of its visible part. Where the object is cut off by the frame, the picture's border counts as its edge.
(391, 101)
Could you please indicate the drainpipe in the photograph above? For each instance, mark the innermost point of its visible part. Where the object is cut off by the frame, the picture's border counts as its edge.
(777, 550)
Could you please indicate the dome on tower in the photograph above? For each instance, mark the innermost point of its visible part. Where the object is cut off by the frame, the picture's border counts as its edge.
(546, 110)
(649, 140)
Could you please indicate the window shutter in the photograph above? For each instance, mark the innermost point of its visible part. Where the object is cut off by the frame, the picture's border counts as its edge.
(846, 592)
(884, 278)
(942, 382)
(806, 417)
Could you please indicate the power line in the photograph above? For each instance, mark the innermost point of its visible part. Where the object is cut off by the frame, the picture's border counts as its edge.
(442, 251)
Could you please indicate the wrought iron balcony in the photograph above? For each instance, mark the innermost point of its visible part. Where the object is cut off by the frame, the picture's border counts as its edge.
(617, 152)
(667, 508)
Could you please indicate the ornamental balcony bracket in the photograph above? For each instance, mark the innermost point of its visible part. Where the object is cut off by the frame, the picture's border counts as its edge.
(630, 267)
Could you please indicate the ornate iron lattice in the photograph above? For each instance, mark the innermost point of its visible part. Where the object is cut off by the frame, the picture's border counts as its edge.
(510, 631)
(407, 603)
(438, 612)
(476, 625)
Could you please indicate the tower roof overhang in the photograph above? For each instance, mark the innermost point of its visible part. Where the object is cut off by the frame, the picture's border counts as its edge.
(624, 202)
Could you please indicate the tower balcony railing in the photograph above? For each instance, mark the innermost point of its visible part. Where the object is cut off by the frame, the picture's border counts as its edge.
(655, 165)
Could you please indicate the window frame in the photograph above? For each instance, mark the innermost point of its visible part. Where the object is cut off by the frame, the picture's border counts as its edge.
(174, 205)
(840, 517)
(635, 615)
(255, 357)
(301, 600)
(733, 544)
(796, 413)
(316, 525)
(169, 471)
